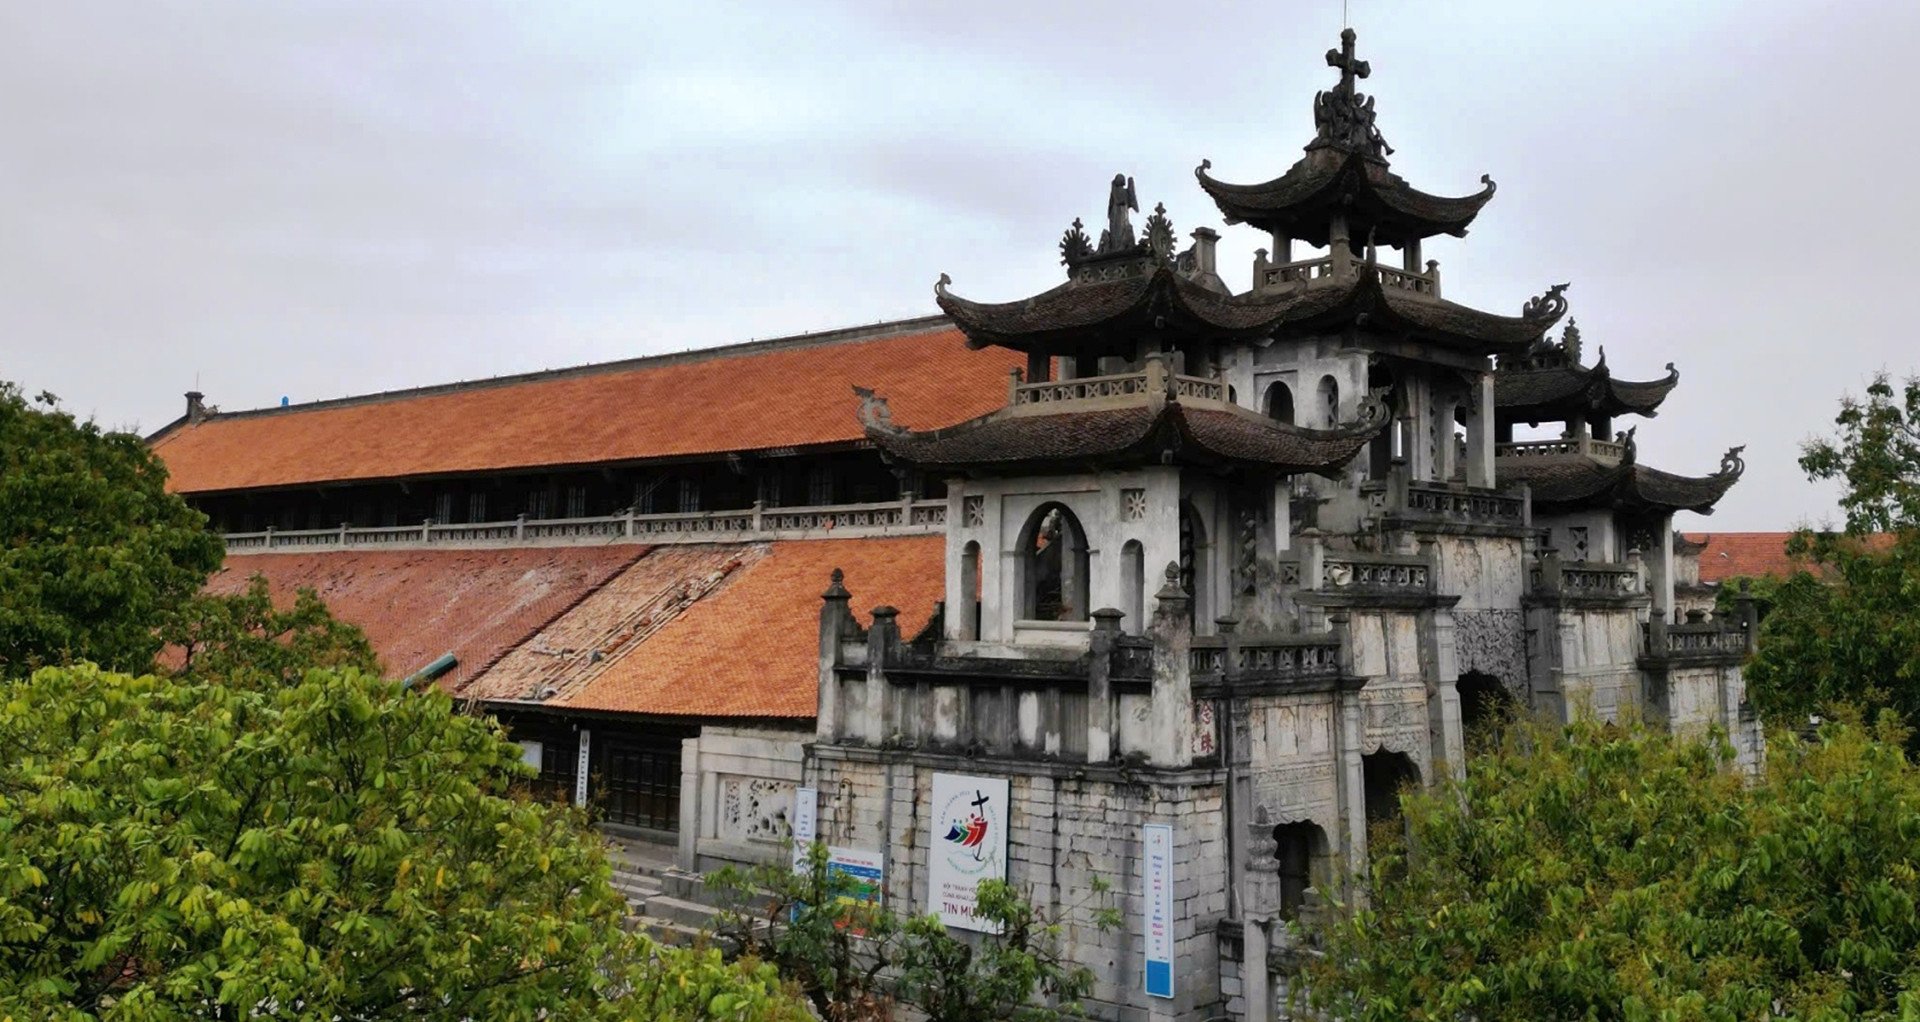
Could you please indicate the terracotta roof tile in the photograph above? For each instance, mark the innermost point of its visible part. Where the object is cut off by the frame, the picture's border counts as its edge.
(1753, 554)
(788, 395)
(417, 604)
(745, 645)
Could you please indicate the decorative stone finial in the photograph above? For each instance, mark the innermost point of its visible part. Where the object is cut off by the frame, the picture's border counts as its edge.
(1547, 308)
(1570, 342)
(1342, 116)
(1075, 246)
(836, 588)
(874, 413)
(940, 286)
(1731, 464)
(1160, 232)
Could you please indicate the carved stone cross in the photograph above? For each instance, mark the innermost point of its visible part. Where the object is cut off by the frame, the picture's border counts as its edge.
(1343, 58)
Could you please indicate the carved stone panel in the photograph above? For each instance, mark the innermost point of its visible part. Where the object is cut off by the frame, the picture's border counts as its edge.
(1493, 642)
(754, 809)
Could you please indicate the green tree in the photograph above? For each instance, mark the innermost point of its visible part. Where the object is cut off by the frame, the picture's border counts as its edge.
(94, 552)
(334, 848)
(244, 639)
(1848, 631)
(854, 959)
(1604, 872)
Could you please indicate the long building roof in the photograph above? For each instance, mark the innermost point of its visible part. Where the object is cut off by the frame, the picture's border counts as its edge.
(766, 396)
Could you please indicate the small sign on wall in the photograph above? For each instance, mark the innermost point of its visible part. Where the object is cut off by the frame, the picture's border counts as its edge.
(968, 845)
(805, 824)
(1156, 858)
(586, 762)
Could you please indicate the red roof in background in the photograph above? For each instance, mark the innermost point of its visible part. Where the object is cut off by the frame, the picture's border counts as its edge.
(1752, 554)
(737, 635)
(781, 394)
(417, 604)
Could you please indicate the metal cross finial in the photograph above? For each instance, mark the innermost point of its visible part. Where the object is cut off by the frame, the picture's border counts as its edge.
(1343, 58)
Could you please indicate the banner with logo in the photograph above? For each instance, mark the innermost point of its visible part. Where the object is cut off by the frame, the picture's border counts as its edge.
(968, 819)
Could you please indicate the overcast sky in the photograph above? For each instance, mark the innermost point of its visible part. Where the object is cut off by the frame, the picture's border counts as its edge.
(320, 199)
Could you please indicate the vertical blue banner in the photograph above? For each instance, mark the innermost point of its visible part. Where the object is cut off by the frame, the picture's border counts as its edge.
(1156, 843)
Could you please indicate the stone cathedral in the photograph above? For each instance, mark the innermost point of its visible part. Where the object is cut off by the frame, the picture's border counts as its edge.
(1163, 576)
(1240, 564)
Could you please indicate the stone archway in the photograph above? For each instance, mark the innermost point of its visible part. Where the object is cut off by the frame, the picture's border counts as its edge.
(1384, 775)
(1485, 705)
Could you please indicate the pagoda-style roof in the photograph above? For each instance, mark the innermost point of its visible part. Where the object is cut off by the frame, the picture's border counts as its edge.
(1578, 483)
(1152, 300)
(1548, 384)
(1345, 173)
(1377, 202)
(1151, 417)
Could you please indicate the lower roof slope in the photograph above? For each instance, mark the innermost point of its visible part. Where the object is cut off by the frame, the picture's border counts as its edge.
(703, 404)
(415, 605)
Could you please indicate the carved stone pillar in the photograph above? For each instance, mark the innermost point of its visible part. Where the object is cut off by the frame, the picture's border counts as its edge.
(1101, 706)
(1171, 708)
(835, 620)
(1480, 433)
(881, 639)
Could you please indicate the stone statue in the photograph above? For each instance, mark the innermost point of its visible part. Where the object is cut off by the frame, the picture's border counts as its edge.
(1121, 202)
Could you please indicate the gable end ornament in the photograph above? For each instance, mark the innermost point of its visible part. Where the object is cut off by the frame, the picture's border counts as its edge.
(874, 413)
(1731, 464)
(1547, 309)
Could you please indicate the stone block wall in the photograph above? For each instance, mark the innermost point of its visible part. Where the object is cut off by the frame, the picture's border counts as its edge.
(1068, 824)
(737, 794)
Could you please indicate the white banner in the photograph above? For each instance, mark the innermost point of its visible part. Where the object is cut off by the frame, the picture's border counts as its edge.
(969, 844)
(1156, 840)
(804, 824)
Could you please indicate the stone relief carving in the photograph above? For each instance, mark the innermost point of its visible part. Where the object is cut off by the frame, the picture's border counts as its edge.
(973, 511)
(754, 809)
(1133, 505)
(1493, 642)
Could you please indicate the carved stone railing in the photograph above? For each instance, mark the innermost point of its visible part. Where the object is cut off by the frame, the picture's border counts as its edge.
(1084, 389)
(1133, 658)
(886, 519)
(1700, 638)
(1349, 572)
(1553, 577)
(1096, 388)
(1340, 267)
(1288, 658)
(1588, 446)
(1446, 502)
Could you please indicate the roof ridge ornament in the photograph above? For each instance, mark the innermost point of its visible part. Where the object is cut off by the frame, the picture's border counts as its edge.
(1343, 117)
(1629, 449)
(1075, 246)
(1547, 308)
(874, 413)
(1731, 464)
(1570, 342)
(1122, 200)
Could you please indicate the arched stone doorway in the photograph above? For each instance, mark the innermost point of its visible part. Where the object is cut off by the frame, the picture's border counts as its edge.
(1297, 848)
(1485, 705)
(1053, 566)
(1383, 775)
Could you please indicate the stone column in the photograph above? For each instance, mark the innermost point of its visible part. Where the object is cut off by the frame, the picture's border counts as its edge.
(881, 639)
(1253, 971)
(1171, 708)
(691, 823)
(1100, 702)
(834, 621)
(1353, 797)
(1443, 706)
(1665, 596)
(1480, 433)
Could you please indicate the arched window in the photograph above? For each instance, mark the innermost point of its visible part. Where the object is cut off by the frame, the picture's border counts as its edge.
(1296, 846)
(1133, 587)
(970, 591)
(1280, 402)
(1053, 556)
(1329, 400)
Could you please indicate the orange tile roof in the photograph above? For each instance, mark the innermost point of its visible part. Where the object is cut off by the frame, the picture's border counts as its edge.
(417, 604)
(757, 397)
(746, 644)
(1752, 554)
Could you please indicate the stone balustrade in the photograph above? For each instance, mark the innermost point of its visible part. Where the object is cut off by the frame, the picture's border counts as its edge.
(1445, 502)
(1339, 267)
(1553, 577)
(1700, 638)
(1606, 450)
(894, 518)
(1356, 573)
(1119, 385)
(1267, 659)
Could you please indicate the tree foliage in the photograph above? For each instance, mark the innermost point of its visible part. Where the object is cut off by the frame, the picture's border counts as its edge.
(1605, 872)
(94, 552)
(1849, 630)
(245, 639)
(334, 848)
(856, 960)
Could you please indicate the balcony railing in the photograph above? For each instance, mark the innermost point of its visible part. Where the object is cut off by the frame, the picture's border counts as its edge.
(1340, 267)
(1700, 638)
(1095, 388)
(1587, 446)
(1484, 507)
(1355, 573)
(1294, 658)
(918, 517)
(1554, 577)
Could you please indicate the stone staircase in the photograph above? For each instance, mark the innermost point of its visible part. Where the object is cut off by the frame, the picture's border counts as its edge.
(670, 904)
